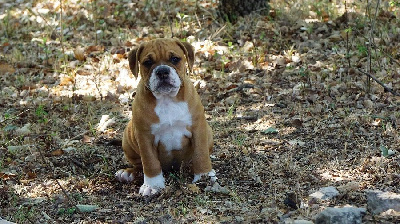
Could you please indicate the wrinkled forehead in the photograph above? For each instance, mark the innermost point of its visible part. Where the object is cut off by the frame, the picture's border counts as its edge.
(161, 49)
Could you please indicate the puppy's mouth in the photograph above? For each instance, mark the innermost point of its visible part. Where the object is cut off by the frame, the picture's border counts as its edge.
(166, 87)
(164, 80)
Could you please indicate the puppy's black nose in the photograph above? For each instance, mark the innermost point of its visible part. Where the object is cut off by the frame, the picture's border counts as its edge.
(162, 73)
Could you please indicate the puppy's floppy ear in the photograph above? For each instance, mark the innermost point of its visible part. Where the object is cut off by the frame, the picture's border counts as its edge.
(133, 58)
(189, 53)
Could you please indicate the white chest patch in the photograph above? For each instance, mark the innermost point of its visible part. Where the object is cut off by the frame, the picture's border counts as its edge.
(174, 118)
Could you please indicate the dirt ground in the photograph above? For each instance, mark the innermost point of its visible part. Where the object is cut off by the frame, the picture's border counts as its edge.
(286, 96)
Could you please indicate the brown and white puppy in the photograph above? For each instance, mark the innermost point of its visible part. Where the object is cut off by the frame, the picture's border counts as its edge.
(168, 125)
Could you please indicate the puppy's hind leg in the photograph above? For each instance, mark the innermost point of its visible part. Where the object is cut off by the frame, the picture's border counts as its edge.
(130, 147)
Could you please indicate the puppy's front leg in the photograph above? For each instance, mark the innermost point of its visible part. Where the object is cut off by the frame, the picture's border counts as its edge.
(153, 176)
(202, 146)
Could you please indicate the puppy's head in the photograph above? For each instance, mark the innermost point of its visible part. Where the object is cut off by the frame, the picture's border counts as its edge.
(162, 64)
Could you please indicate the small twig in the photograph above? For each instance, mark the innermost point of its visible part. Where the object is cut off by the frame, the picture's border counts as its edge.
(371, 41)
(379, 82)
(212, 36)
(170, 23)
(78, 136)
(61, 31)
(58, 183)
(39, 14)
(9, 118)
(241, 87)
(97, 79)
(198, 20)
(387, 54)
(347, 38)
(94, 13)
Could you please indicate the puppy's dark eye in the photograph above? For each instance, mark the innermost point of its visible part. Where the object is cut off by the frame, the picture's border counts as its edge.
(148, 63)
(175, 60)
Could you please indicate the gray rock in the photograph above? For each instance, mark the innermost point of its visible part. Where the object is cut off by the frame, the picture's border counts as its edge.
(3, 221)
(345, 215)
(325, 193)
(379, 201)
(300, 221)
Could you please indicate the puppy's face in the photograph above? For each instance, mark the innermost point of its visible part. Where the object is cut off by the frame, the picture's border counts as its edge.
(162, 64)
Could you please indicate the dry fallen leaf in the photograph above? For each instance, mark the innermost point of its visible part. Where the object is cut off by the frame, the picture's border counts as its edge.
(66, 81)
(57, 152)
(6, 176)
(193, 188)
(6, 68)
(79, 53)
(92, 49)
(30, 175)
(87, 139)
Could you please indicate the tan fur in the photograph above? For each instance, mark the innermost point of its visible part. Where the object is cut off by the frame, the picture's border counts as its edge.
(138, 142)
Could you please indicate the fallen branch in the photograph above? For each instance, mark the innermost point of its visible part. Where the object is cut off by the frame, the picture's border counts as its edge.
(380, 83)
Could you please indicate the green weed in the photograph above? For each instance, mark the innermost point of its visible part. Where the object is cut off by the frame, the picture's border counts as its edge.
(45, 48)
(231, 110)
(182, 209)
(41, 114)
(201, 201)
(362, 50)
(25, 214)
(240, 140)
(66, 211)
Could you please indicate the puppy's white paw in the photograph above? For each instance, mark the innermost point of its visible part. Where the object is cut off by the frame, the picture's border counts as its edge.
(146, 190)
(152, 185)
(124, 176)
(210, 174)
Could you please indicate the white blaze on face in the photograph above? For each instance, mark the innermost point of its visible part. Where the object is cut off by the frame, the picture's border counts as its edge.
(164, 81)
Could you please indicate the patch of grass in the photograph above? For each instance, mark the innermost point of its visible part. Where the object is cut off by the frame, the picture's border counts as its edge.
(201, 201)
(41, 114)
(66, 211)
(235, 196)
(25, 214)
(92, 128)
(46, 50)
(362, 50)
(5, 25)
(182, 209)
(240, 140)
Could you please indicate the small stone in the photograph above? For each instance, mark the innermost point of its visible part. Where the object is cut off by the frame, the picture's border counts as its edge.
(25, 130)
(335, 37)
(318, 108)
(89, 98)
(15, 148)
(368, 104)
(87, 208)
(239, 218)
(325, 193)
(350, 186)
(296, 58)
(3, 221)
(217, 189)
(345, 215)
(300, 221)
(248, 46)
(69, 149)
(231, 100)
(296, 142)
(280, 62)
